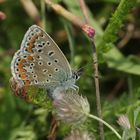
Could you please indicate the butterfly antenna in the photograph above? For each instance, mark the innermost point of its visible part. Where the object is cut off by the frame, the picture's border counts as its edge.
(81, 70)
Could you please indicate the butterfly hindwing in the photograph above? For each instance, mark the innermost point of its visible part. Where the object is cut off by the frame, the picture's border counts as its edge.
(39, 60)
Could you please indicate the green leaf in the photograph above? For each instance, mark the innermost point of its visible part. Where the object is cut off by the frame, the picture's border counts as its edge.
(117, 61)
(137, 116)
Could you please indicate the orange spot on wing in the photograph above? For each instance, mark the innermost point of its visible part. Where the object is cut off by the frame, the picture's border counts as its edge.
(32, 41)
(21, 70)
(27, 83)
(21, 65)
(29, 49)
(29, 57)
(23, 76)
(22, 61)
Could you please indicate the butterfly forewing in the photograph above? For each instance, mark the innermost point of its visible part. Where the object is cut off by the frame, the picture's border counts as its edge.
(39, 60)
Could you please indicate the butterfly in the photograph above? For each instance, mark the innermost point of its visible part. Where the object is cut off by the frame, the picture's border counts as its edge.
(40, 62)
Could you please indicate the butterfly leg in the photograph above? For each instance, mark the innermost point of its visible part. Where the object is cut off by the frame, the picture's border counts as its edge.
(76, 88)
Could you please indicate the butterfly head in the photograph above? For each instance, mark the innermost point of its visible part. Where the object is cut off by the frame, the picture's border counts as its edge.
(76, 74)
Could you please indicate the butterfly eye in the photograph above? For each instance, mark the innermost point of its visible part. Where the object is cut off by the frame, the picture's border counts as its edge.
(75, 76)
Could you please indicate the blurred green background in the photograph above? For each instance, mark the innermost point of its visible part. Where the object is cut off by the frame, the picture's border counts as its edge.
(119, 64)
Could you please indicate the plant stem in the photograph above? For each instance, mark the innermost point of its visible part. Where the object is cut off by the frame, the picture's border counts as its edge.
(106, 124)
(95, 67)
(66, 14)
(32, 11)
(72, 18)
(130, 86)
(84, 10)
(71, 42)
(96, 78)
(42, 3)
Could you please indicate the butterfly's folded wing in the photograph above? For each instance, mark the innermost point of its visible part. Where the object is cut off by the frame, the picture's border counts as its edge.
(39, 60)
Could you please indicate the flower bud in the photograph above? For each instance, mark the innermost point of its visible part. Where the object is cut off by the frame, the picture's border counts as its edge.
(71, 107)
(78, 135)
(124, 122)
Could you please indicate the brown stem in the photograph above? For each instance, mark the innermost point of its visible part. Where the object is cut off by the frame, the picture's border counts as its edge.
(127, 37)
(32, 11)
(95, 66)
(96, 78)
(72, 18)
(66, 14)
(1, 1)
(53, 129)
(84, 10)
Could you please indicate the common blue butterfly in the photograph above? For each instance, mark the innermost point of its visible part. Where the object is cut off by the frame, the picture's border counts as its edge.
(40, 62)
